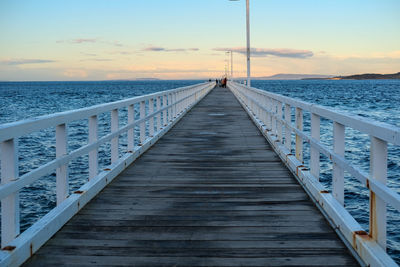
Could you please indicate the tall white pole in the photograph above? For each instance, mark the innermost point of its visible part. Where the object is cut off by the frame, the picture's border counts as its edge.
(248, 41)
(231, 64)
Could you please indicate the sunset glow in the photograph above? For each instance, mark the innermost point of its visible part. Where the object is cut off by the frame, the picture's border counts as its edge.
(121, 39)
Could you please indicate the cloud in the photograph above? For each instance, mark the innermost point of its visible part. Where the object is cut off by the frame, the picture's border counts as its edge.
(264, 52)
(162, 49)
(22, 61)
(89, 40)
(154, 48)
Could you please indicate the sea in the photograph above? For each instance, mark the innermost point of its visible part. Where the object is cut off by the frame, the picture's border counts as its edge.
(375, 99)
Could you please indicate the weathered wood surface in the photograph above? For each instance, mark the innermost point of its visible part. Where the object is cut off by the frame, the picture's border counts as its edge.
(211, 192)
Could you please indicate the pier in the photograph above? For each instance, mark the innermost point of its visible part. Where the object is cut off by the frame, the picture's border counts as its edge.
(214, 181)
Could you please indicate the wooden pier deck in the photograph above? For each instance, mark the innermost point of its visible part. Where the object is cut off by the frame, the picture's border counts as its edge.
(211, 192)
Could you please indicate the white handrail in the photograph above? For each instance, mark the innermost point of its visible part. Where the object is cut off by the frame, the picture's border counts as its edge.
(164, 110)
(272, 113)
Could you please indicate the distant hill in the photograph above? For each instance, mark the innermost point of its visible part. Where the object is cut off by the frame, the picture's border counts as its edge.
(285, 76)
(369, 76)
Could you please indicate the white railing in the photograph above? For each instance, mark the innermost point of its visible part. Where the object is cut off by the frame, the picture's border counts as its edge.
(272, 113)
(164, 109)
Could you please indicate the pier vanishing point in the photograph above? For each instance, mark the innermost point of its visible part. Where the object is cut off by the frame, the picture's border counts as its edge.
(210, 176)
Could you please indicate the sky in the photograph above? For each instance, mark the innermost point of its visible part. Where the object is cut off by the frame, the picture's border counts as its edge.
(54, 40)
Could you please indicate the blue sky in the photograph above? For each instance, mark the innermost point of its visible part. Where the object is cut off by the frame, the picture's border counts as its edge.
(113, 39)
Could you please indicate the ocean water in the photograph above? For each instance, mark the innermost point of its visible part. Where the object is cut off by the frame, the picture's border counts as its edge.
(375, 99)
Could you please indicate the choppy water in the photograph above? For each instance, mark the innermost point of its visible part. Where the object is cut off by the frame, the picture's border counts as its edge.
(378, 100)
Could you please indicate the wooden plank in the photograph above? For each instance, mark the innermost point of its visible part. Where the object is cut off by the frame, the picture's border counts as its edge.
(211, 192)
(299, 260)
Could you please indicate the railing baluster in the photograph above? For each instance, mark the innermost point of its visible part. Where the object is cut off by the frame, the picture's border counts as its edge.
(338, 174)
(170, 108)
(314, 152)
(186, 99)
(299, 140)
(252, 106)
(115, 140)
(269, 116)
(159, 113)
(279, 123)
(61, 172)
(93, 155)
(151, 120)
(131, 132)
(177, 104)
(165, 120)
(180, 105)
(288, 131)
(273, 119)
(265, 114)
(143, 123)
(10, 204)
(174, 105)
(378, 171)
(257, 107)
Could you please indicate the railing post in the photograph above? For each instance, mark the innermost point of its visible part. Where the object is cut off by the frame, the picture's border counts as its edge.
(378, 171)
(177, 104)
(174, 105)
(265, 114)
(10, 204)
(115, 140)
(151, 120)
(159, 113)
(165, 120)
(314, 152)
(131, 132)
(93, 155)
(338, 173)
(288, 131)
(273, 119)
(185, 94)
(268, 115)
(257, 108)
(279, 122)
(184, 100)
(180, 102)
(62, 171)
(170, 108)
(299, 140)
(143, 123)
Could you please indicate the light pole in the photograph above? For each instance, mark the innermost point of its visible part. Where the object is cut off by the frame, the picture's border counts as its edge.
(231, 52)
(248, 39)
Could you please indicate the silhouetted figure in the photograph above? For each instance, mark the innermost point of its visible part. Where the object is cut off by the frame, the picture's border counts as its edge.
(223, 82)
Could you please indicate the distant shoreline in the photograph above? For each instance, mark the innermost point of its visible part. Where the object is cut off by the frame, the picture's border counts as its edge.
(366, 76)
